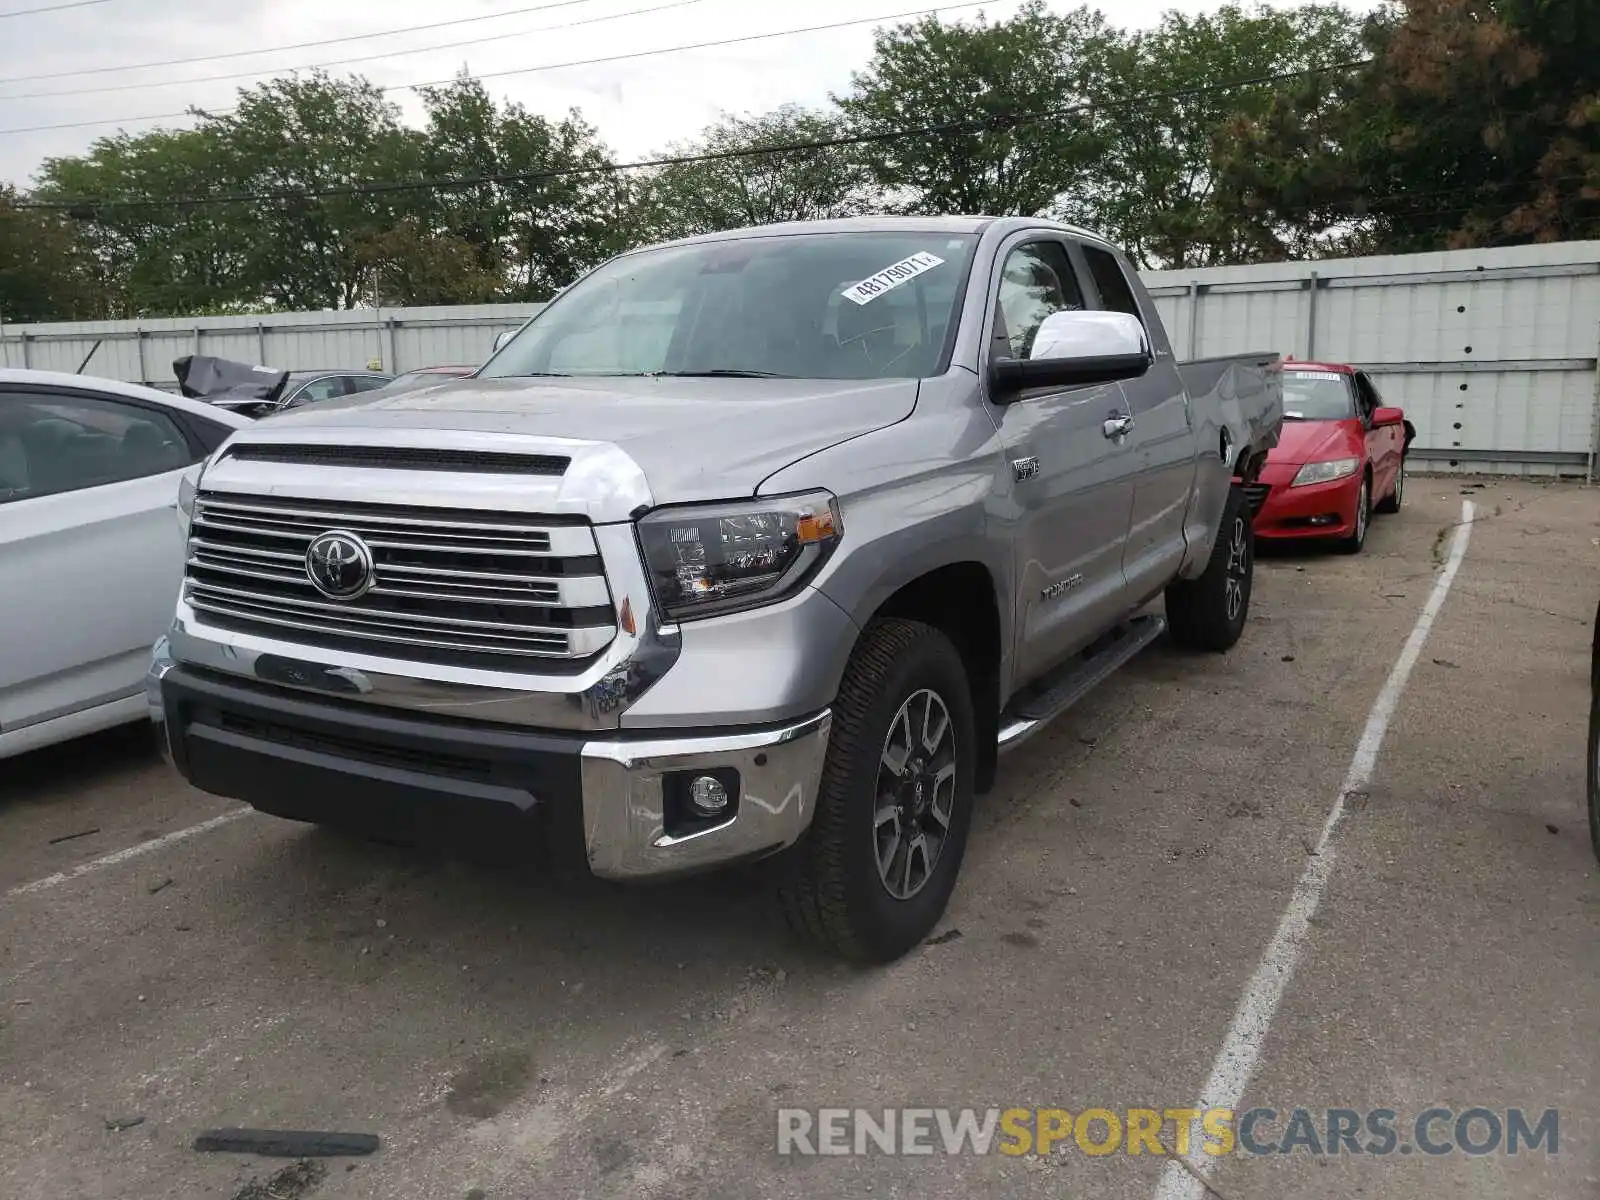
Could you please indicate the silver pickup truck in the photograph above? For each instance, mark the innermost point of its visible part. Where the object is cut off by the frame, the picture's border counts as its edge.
(760, 545)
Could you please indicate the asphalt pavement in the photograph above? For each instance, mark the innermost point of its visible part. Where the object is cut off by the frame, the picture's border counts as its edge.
(169, 964)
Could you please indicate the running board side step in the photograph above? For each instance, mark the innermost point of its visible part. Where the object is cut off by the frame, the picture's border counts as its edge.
(1046, 700)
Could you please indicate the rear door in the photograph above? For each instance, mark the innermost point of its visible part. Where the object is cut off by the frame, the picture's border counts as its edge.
(1072, 480)
(91, 550)
(1162, 441)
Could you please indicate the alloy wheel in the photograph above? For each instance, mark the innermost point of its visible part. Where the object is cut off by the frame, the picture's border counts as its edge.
(915, 794)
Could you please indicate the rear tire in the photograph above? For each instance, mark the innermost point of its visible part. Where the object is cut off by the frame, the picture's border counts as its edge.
(1594, 772)
(1209, 613)
(1358, 540)
(1594, 738)
(1391, 503)
(835, 889)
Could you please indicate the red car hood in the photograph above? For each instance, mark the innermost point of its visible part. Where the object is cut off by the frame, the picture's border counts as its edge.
(1316, 441)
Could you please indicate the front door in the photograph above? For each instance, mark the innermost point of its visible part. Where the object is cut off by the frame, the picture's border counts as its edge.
(1071, 469)
(1386, 444)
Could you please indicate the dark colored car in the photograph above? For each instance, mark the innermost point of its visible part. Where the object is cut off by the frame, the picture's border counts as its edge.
(410, 381)
(257, 391)
(304, 387)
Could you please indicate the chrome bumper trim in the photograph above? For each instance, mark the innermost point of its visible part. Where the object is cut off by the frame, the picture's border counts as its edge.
(780, 771)
(160, 663)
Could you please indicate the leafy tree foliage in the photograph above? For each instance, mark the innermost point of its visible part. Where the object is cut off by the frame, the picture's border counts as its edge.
(749, 188)
(1004, 105)
(1243, 135)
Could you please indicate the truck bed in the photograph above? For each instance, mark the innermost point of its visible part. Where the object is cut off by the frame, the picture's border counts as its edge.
(1241, 393)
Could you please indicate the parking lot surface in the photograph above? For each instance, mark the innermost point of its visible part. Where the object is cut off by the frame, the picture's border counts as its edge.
(506, 1036)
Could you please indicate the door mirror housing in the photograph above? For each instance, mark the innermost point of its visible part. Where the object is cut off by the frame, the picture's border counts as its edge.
(1075, 349)
(501, 338)
(1386, 415)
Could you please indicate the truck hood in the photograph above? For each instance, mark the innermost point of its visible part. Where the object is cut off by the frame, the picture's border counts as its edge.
(1301, 442)
(693, 439)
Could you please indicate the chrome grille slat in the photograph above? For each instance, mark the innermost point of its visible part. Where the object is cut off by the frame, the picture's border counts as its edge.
(377, 614)
(264, 615)
(444, 581)
(247, 551)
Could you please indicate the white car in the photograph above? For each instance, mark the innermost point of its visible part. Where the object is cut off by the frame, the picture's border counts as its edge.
(91, 546)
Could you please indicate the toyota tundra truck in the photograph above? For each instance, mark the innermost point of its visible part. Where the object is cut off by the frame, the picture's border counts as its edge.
(758, 545)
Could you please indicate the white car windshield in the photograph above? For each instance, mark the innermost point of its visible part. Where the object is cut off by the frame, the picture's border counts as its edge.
(812, 306)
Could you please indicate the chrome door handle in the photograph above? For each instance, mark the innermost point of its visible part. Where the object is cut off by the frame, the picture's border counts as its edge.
(1118, 426)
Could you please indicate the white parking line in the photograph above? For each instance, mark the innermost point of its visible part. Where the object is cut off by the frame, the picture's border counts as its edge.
(122, 856)
(1236, 1062)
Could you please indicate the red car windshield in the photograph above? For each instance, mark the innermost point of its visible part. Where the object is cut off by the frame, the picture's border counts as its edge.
(1318, 396)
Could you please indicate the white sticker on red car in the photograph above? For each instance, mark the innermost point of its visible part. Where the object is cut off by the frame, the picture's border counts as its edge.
(1335, 376)
(891, 277)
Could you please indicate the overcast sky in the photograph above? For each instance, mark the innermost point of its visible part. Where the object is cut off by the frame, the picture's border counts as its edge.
(638, 104)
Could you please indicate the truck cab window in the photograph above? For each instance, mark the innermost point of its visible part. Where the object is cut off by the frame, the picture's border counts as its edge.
(1115, 292)
(1036, 280)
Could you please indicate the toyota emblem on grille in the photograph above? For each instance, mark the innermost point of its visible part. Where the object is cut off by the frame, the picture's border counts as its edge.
(339, 565)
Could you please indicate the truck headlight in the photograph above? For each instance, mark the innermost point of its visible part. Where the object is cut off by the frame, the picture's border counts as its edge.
(706, 559)
(1326, 472)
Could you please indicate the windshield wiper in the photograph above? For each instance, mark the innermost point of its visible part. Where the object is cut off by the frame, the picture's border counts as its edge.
(719, 373)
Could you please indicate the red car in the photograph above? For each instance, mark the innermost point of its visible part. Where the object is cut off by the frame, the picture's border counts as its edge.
(1341, 455)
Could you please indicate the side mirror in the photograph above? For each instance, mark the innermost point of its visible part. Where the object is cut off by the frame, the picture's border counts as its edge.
(501, 338)
(1384, 415)
(1075, 349)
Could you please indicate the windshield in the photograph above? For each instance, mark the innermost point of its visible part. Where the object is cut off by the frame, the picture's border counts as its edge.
(1318, 396)
(806, 306)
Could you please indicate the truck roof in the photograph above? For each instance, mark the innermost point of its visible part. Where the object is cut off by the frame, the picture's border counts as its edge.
(881, 223)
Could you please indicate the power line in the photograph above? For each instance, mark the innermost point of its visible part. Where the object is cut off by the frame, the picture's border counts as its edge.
(585, 62)
(1006, 120)
(49, 8)
(334, 41)
(340, 62)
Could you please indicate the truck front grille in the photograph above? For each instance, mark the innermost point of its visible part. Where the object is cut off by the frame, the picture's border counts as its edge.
(452, 586)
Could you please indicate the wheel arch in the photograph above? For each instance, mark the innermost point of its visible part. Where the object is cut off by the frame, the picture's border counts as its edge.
(962, 601)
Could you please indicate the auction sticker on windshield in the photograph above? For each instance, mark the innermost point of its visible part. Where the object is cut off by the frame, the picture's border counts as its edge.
(891, 277)
(1333, 376)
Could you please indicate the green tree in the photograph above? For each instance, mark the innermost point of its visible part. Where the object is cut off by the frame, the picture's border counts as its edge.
(153, 256)
(748, 188)
(1477, 123)
(46, 272)
(548, 201)
(296, 136)
(1168, 115)
(412, 264)
(1000, 96)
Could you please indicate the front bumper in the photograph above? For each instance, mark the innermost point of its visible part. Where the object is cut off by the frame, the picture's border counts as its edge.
(1317, 510)
(617, 804)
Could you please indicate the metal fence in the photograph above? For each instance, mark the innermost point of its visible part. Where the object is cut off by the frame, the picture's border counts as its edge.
(1491, 353)
(389, 339)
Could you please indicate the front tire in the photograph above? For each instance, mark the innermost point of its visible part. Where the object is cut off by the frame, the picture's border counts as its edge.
(876, 868)
(1209, 613)
(1358, 539)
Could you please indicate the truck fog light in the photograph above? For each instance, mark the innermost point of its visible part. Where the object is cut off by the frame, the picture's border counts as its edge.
(708, 795)
(698, 799)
